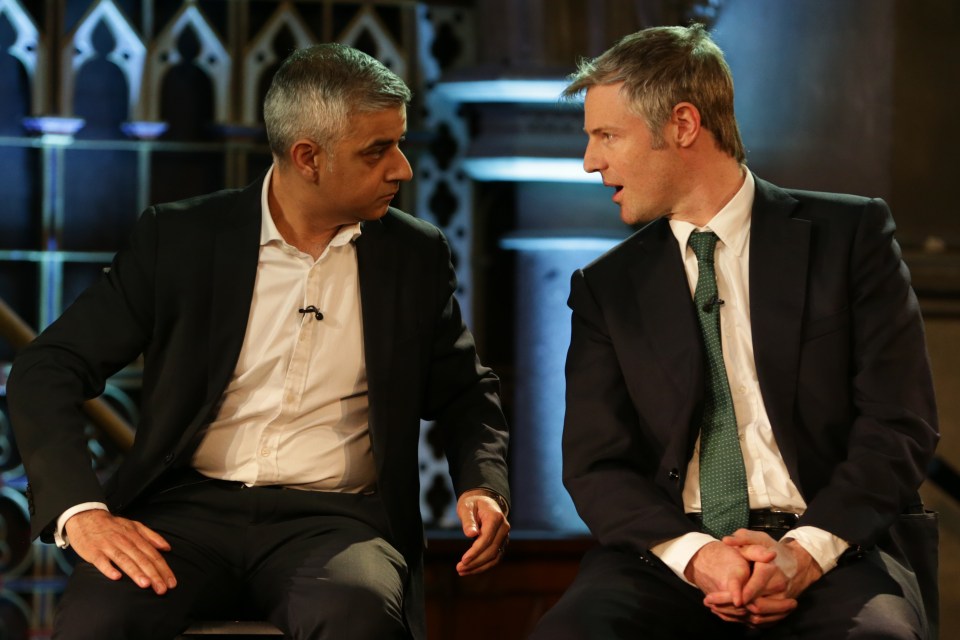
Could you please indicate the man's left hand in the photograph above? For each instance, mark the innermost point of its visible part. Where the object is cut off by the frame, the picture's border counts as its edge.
(483, 520)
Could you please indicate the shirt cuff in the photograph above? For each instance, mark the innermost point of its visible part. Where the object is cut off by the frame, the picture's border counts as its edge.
(60, 534)
(676, 553)
(823, 546)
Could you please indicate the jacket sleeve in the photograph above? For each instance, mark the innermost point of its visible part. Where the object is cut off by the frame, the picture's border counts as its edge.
(893, 432)
(462, 395)
(105, 329)
(607, 465)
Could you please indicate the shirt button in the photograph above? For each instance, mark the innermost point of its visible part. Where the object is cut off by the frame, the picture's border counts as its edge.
(264, 452)
(742, 389)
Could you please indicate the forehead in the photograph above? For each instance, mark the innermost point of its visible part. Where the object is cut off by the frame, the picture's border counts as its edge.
(389, 123)
(606, 106)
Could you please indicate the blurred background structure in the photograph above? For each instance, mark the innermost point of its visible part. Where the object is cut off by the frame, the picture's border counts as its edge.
(107, 106)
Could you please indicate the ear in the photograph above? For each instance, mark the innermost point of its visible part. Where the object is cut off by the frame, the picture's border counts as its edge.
(307, 158)
(686, 121)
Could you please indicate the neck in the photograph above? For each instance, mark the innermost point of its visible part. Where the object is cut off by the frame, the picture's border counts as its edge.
(714, 185)
(299, 227)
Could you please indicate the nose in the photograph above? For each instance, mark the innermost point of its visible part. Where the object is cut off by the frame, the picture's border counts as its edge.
(401, 171)
(592, 161)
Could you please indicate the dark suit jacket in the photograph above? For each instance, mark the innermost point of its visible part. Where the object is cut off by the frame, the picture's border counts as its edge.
(839, 350)
(180, 294)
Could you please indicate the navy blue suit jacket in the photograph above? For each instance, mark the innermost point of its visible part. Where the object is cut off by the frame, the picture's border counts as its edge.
(840, 355)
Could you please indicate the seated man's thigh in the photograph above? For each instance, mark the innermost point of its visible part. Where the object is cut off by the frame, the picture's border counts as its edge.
(94, 606)
(339, 579)
(617, 594)
(198, 520)
(869, 598)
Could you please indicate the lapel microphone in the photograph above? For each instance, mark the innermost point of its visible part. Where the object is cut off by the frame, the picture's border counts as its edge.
(319, 315)
(715, 301)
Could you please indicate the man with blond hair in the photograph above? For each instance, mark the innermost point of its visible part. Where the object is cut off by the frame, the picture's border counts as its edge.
(749, 404)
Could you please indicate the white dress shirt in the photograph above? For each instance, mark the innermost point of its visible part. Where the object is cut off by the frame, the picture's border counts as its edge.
(295, 412)
(768, 482)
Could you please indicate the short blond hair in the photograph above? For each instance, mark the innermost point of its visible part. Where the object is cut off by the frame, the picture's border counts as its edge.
(661, 67)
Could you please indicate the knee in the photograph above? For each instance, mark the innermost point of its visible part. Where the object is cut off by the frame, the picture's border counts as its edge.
(357, 610)
(887, 617)
(347, 612)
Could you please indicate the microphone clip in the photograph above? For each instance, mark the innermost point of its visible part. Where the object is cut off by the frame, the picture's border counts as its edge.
(713, 302)
(312, 309)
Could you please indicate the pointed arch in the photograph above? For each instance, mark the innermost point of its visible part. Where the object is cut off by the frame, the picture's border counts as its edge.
(29, 49)
(128, 53)
(213, 60)
(388, 53)
(261, 55)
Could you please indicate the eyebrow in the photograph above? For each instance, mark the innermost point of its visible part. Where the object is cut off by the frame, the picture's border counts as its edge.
(386, 142)
(602, 128)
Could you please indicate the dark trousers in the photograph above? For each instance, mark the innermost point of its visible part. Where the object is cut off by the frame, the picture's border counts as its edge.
(317, 565)
(617, 594)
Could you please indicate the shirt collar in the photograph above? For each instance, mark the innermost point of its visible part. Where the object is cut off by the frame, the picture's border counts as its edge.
(731, 223)
(268, 229)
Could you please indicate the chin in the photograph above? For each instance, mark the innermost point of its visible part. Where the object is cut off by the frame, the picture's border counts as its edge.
(630, 217)
(375, 215)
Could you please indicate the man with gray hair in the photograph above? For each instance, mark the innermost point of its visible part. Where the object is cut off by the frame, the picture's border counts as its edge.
(294, 334)
(749, 403)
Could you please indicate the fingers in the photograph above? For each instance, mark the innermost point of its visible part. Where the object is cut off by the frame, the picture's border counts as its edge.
(142, 562)
(145, 567)
(735, 589)
(483, 520)
(766, 611)
(721, 605)
(766, 579)
(486, 550)
(715, 566)
(152, 537)
(117, 546)
(742, 537)
(471, 528)
(757, 553)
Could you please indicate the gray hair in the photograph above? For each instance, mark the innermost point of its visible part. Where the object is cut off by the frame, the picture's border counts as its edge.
(317, 88)
(662, 67)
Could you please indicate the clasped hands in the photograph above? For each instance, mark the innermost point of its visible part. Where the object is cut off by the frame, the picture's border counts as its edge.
(750, 578)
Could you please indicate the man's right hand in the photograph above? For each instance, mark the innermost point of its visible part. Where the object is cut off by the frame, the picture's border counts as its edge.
(113, 544)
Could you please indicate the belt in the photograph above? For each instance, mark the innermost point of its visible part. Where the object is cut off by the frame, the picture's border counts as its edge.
(762, 520)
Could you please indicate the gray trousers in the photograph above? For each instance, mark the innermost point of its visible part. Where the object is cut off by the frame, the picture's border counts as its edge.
(315, 564)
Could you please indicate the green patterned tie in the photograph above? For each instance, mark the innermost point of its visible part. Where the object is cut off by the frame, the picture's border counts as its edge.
(723, 479)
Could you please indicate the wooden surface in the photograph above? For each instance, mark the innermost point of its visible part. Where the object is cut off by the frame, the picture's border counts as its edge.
(506, 602)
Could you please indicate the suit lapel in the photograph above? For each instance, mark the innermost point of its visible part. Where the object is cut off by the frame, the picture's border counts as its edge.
(378, 272)
(236, 253)
(663, 311)
(779, 256)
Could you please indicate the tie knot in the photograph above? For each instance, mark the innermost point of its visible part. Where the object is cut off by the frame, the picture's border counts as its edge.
(703, 243)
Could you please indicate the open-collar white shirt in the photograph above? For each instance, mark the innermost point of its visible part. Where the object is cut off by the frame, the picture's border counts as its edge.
(295, 412)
